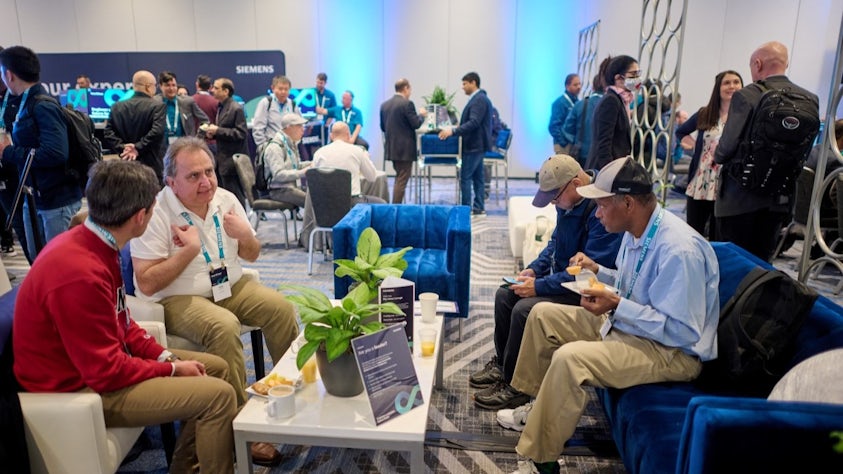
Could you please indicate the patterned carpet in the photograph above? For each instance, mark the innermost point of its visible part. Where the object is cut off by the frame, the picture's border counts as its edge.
(452, 414)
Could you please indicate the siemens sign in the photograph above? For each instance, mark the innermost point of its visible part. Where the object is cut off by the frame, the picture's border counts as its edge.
(251, 71)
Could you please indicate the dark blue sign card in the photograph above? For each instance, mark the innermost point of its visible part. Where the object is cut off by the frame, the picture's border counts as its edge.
(403, 293)
(386, 366)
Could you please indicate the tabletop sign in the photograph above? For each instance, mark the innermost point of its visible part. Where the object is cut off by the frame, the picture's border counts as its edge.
(402, 293)
(386, 365)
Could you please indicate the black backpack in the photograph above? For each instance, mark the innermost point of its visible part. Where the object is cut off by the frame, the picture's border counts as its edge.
(84, 148)
(777, 141)
(261, 181)
(757, 328)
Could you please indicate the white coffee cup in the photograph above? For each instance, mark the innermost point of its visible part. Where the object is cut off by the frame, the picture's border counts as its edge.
(428, 306)
(281, 402)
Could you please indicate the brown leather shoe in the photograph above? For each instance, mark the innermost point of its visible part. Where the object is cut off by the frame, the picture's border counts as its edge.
(265, 454)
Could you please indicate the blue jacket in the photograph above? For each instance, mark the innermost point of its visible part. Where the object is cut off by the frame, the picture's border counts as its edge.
(572, 124)
(476, 124)
(558, 113)
(575, 232)
(41, 127)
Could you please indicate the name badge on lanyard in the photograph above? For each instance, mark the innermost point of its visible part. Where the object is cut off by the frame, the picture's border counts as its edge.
(220, 284)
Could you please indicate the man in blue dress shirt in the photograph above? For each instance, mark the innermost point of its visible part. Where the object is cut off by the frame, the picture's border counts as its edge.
(655, 320)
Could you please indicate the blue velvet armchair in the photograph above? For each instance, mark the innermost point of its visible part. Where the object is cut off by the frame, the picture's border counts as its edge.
(440, 261)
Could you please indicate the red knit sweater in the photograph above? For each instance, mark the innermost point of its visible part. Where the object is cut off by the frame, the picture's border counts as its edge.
(67, 332)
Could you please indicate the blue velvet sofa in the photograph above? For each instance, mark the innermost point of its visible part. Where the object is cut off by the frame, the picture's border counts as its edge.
(685, 428)
(440, 260)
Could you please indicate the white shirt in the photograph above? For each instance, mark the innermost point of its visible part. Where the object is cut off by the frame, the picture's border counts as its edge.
(157, 243)
(344, 155)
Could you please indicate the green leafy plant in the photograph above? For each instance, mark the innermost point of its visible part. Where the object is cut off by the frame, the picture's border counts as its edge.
(440, 97)
(333, 327)
(369, 268)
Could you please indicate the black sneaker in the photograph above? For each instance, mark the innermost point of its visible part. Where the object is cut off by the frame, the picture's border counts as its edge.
(478, 213)
(8, 251)
(504, 397)
(487, 377)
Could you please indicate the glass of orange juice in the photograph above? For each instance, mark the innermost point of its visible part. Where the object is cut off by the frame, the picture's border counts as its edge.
(427, 337)
(308, 370)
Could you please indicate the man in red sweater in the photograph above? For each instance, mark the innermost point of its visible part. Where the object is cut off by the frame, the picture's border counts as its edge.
(73, 332)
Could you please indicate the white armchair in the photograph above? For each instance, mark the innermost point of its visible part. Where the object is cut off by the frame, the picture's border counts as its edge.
(66, 432)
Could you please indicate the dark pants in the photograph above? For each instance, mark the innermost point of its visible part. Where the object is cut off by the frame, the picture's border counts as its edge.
(698, 213)
(755, 231)
(471, 177)
(511, 313)
(403, 171)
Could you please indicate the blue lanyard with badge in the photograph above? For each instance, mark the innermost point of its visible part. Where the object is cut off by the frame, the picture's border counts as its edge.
(120, 306)
(645, 247)
(173, 128)
(3, 131)
(220, 285)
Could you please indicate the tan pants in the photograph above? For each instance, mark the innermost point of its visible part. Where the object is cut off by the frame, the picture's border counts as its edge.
(562, 352)
(217, 325)
(207, 406)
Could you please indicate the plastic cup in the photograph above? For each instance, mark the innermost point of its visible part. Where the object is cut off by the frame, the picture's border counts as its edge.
(308, 371)
(428, 303)
(427, 338)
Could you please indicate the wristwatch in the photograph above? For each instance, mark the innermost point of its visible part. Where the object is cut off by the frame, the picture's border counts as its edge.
(171, 358)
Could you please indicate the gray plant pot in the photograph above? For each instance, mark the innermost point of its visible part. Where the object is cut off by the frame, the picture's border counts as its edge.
(341, 377)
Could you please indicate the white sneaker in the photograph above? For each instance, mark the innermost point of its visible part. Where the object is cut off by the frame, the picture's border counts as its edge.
(515, 419)
(525, 466)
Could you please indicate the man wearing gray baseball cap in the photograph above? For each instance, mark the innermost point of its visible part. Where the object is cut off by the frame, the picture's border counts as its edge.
(577, 230)
(654, 319)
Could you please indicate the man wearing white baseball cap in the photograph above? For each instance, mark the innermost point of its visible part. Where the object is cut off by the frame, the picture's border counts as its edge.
(655, 320)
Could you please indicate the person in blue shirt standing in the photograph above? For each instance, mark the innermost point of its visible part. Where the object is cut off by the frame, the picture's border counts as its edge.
(577, 230)
(559, 112)
(658, 324)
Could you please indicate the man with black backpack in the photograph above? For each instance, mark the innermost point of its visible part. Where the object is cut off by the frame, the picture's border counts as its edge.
(771, 128)
(39, 130)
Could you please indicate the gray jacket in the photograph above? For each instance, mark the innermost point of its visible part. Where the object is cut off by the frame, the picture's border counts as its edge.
(282, 162)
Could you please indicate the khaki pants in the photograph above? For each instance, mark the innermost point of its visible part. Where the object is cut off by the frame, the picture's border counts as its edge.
(217, 325)
(207, 406)
(562, 352)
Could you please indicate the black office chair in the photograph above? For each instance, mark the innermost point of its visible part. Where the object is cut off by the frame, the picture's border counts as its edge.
(246, 173)
(330, 195)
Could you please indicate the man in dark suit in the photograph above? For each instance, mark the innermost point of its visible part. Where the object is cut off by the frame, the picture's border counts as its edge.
(476, 130)
(399, 121)
(137, 126)
(230, 132)
(745, 217)
(183, 116)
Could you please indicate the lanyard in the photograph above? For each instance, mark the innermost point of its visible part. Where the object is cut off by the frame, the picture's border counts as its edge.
(645, 247)
(121, 292)
(346, 118)
(20, 107)
(283, 107)
(565, 95)
(3, 108)
(320, 101)
(290, 153)
(202, 241)
(174, 127)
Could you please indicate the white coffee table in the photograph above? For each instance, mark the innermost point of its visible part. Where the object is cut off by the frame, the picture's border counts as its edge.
(325, 420)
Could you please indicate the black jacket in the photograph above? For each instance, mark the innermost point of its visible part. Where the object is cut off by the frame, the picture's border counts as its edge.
(476, 124)
(230, 136)
(610, 137)
(41, 127)
(140, 120)
(399, 122)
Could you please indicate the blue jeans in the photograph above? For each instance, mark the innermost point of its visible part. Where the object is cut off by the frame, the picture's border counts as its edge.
(51, 222)
(471, 176)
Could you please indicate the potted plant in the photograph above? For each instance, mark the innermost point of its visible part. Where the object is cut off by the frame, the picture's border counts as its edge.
(443, 101)
(329, 329)
(370, 267)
